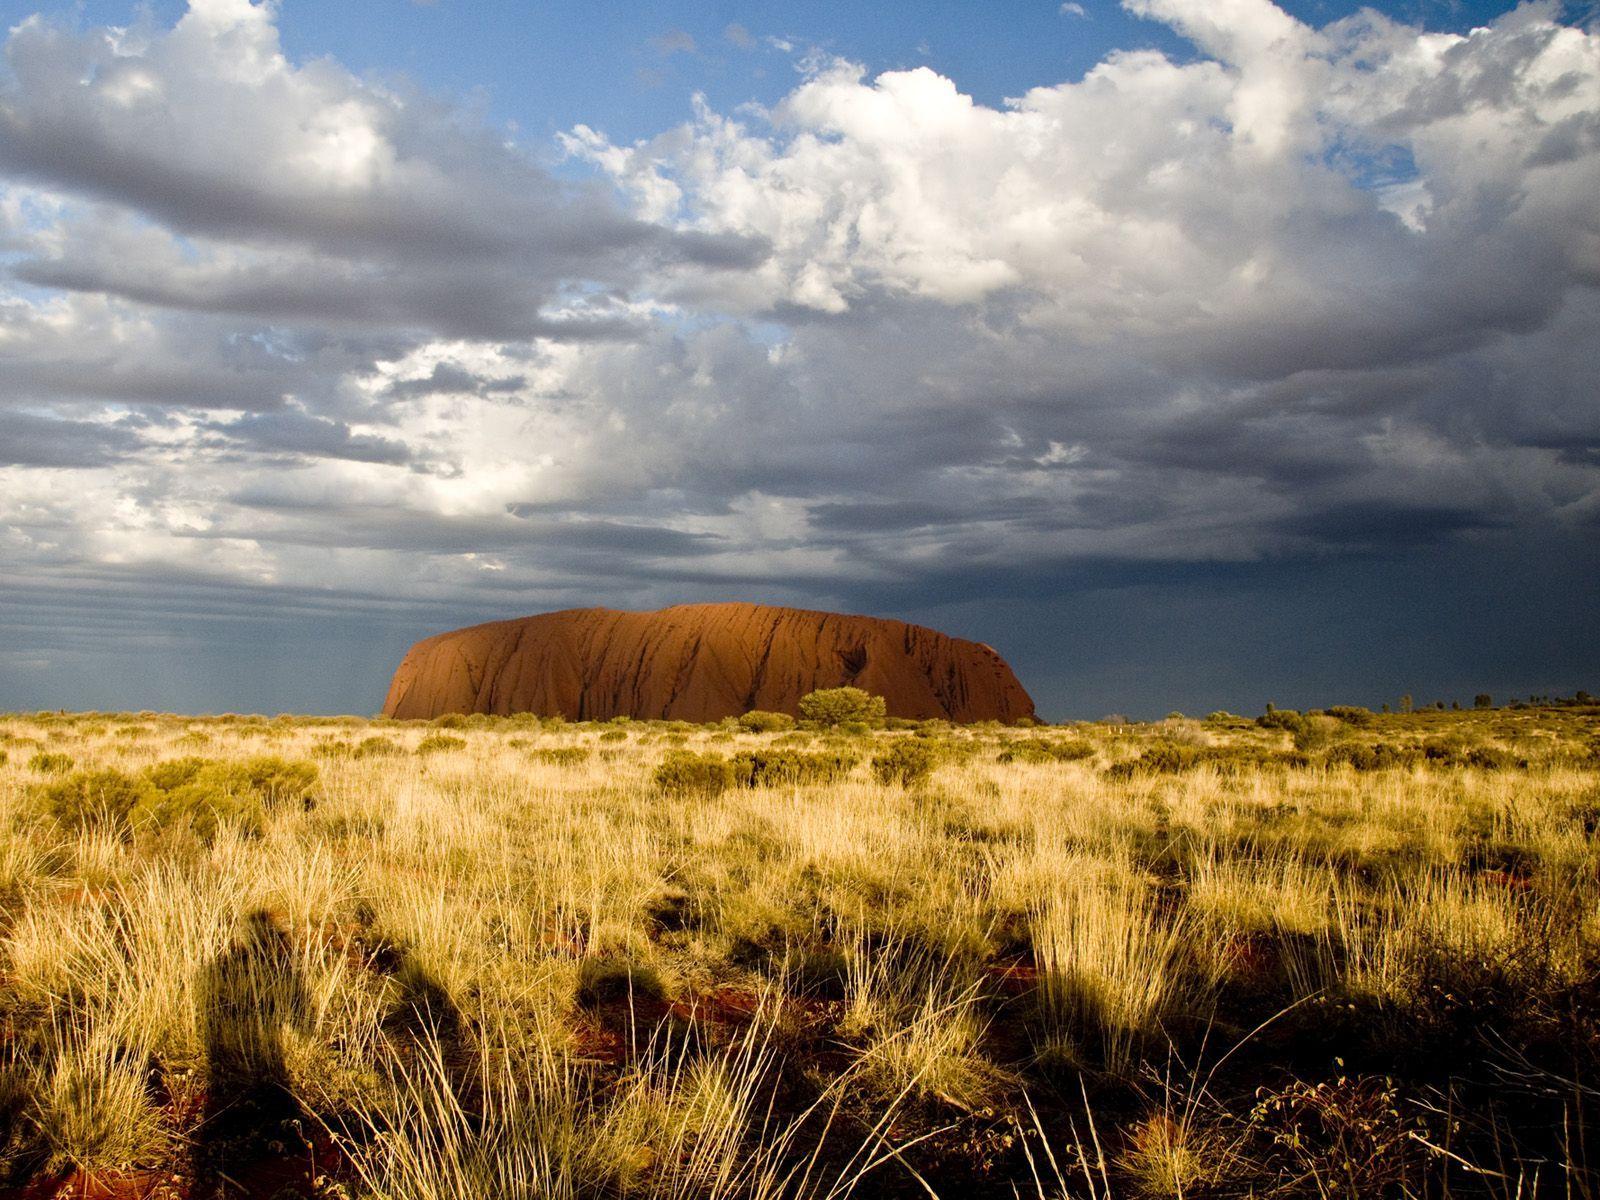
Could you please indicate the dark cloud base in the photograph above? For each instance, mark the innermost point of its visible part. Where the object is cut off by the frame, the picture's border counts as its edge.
(1511, 618)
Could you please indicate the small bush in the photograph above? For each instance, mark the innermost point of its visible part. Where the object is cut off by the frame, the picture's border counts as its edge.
(561, 756)
(761, 721)
(1286, 719)
(1170, 756)
(790, 768)
(606, 978)
(92, 1111)
(1351, 714)
(174, 772)
(614, 735)
(686, 774)
(439, 743)
(271, 780)
(200, 795)
(1378, 757)
(1043, 750)
(906, 762)
(1315, 732)
(1344, 1136)
(1492, 758)
(842, 706)
(50, 764)
(374, 747)
(101, 799)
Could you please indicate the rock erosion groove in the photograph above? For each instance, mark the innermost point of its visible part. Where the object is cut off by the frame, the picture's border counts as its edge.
(699, 662)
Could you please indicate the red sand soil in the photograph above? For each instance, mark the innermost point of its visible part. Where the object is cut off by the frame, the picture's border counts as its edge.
(699, 662)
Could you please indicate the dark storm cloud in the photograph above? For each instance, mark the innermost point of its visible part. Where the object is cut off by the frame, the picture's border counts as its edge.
(33, 441)
(1375, 523)
(313, 437)
(481, 302)
(446, 378)
(120, 380)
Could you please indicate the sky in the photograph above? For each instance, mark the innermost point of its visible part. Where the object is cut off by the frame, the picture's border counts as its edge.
(1194, 354)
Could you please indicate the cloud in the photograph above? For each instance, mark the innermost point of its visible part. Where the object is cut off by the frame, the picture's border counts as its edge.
(674, 41)
(302, 435)
(1071, 9)
(1309, 295)
(27, 440)
(198, 169)
(737, 35)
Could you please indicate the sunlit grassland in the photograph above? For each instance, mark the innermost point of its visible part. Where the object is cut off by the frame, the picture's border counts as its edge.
(518, 958)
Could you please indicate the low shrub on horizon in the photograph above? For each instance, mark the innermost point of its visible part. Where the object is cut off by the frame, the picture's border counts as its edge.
(1286, 719)
(375, 747)
(759, 721)
(1045, 750)
(560, 756)
(441, 743)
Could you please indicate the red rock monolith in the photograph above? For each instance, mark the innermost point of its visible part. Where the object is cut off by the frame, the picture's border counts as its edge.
(699, 662)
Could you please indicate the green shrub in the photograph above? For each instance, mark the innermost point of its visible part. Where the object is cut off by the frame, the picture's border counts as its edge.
(790, 768)
(1378, 757)
(1166, 756)
(438, 743)
(760, 721)
(1044, 750)
(272, 780)
(1315, 732)
(1352, 714)
(201, 807)
(99, 799)
(1492, 758)
(200, 795)
(1286, 719)
(905, 762)
(450, 721)
(174, 772)
(561, 756)
(50, 764)
(374, 747)
(842, 706)
(684, 774)
(614, 735)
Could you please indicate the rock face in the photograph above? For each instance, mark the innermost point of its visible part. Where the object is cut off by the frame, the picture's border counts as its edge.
(699, 662)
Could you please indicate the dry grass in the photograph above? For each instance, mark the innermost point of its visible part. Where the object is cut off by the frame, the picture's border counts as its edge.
(497, 958)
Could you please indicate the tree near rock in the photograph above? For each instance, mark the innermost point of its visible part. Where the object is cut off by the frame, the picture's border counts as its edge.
(842, 706)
